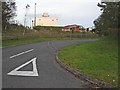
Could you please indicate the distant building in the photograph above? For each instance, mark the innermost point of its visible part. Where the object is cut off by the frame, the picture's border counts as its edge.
(46, 20)
(74, 27)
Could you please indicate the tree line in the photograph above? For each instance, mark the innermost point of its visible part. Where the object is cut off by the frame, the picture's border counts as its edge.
(108, 22)
(8, 13)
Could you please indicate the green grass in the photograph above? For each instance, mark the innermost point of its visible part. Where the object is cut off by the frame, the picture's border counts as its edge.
(0, 43)
(28, 40)
(97, 59)
(14, 36)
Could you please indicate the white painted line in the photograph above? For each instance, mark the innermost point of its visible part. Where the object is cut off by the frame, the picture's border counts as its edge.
(25, 73)
(54, 47)
(48, 43)
(21, 53)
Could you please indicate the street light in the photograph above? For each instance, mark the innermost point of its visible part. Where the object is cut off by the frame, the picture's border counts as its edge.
(26, 7)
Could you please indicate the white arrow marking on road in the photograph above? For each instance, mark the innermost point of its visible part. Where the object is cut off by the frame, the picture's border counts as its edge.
(25, 73)
(21, 53)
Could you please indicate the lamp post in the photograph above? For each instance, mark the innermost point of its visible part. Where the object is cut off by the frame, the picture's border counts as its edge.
(26, 8)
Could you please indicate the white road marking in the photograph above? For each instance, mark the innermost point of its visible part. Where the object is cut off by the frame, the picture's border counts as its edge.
(21, 53)
(25, 73)
(52, 46)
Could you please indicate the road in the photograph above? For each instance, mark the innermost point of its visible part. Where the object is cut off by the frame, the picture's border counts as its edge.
(34, 66)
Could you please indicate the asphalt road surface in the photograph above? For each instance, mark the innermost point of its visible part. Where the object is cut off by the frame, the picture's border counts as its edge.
(34, 66)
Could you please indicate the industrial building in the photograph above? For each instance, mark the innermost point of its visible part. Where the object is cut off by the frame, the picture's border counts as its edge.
(74, 27)
(46, 20)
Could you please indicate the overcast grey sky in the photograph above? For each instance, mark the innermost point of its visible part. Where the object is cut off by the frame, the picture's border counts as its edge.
(81, 12)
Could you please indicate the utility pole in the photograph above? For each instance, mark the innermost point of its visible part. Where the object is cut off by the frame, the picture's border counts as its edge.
(35, 16)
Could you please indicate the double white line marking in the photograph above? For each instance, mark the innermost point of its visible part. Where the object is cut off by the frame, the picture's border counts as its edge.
(52, 46)
(21, 53)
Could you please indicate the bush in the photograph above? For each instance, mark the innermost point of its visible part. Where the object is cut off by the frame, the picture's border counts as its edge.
(47, 28)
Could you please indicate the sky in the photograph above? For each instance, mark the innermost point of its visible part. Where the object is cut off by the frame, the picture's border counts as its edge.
(81, 12)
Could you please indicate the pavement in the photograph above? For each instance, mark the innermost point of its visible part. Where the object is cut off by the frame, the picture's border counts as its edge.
(34, 66)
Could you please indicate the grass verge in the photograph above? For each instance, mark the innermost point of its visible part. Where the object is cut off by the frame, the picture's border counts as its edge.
(28, 40)
(97, 59)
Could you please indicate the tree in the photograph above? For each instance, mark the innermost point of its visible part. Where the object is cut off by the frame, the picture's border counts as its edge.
(108, 20)
(8, 12)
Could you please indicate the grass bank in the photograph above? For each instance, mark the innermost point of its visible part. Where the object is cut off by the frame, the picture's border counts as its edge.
(16, 38)
(97, 59)
(16, 35)
(28, 40)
